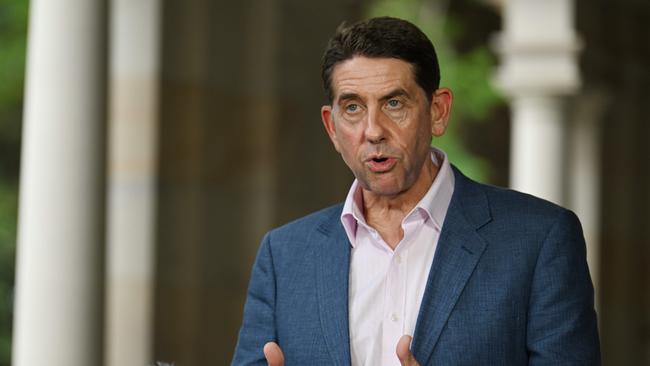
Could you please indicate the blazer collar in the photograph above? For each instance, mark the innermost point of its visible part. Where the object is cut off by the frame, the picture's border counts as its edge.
(332, 274)
(458, 252)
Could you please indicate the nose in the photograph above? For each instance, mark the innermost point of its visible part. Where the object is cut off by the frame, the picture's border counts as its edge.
(375, 129)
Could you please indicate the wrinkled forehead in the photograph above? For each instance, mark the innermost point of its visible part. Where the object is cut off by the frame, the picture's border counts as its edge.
(372, 76)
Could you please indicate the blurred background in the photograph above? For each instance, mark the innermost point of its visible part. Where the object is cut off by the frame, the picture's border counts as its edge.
(153, 143)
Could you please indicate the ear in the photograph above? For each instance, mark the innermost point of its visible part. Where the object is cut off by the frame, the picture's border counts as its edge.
(440, 110)
(330, 126)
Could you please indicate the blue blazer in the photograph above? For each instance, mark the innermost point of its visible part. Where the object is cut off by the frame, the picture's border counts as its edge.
(508, 285)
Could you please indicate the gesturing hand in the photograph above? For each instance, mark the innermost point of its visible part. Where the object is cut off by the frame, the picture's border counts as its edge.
(403, 351)
(273, 354)
(275, 357)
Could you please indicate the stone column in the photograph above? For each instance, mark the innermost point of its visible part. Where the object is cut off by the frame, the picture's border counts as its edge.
(133, 135)
(538, 47)
(536, 146)
(538, 71)
(59, 292)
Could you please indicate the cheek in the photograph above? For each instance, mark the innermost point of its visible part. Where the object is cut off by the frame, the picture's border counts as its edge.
(399, 117)
(425, 133)
(414, 138)
(344, 146)
(415, 145)
(347, 139)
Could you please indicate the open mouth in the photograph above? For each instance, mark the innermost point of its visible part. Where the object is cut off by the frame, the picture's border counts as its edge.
(381, 164)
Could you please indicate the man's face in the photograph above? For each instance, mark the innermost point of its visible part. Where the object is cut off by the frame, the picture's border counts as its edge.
(381, 122)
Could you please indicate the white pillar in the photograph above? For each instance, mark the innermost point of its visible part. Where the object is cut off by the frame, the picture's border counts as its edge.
(133, 134)
(539, 50)
(538, 69)
(59, 275)
(536, 148)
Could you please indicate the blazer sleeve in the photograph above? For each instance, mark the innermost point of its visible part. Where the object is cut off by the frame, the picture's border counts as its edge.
(258, 325)
(562, 327)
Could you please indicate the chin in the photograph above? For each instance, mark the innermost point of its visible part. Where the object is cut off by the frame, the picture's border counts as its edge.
(384, 189)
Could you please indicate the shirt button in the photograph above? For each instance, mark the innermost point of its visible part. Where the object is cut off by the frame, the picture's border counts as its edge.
(394, 317)
(398, 259)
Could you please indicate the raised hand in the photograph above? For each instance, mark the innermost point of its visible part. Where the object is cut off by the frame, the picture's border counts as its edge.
(403, 351)
(273, 354)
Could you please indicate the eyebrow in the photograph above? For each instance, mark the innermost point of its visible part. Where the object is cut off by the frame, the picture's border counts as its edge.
(348, 96)
(399, 92)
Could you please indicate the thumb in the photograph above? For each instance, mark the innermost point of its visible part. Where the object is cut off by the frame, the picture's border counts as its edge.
(403, 351)
(273, 354)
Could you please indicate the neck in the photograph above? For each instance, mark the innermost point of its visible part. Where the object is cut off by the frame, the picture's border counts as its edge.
(385, 213)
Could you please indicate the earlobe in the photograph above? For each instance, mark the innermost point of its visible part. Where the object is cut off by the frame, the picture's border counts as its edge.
(328, 123)
(440, 111)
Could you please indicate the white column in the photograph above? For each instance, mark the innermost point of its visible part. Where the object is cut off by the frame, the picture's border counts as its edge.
(539, 50)
(59, 276)
(133, 133)
(538, 69)
(536, 150)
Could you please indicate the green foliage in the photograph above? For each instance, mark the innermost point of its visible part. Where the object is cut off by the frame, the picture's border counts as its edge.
(13, 26)
(467, 75)
(13, 34)
(8, 212)
(13, 37)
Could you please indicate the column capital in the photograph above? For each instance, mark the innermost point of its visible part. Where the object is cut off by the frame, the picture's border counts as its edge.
(538, 48)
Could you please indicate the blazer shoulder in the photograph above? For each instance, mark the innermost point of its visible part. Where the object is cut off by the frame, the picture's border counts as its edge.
(296, 243)
(505, 201)
(520, 224)
(510, 209)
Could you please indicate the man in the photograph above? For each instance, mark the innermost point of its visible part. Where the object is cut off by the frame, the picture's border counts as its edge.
(420, 265)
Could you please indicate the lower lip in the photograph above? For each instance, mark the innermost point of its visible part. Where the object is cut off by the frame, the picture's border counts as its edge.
(381, 167)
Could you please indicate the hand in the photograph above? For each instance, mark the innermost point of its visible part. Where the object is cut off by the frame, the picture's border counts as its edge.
(273, 354)
(403, 351)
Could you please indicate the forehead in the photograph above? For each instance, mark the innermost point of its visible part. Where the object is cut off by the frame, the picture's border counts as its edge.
(372, 76)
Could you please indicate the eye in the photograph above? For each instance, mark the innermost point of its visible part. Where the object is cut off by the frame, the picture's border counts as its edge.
(394, 104)
(352, 108)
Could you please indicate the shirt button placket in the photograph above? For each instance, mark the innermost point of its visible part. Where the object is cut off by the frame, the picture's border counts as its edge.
(394, 311)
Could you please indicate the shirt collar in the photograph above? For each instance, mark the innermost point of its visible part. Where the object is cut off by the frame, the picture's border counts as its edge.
(434, 203)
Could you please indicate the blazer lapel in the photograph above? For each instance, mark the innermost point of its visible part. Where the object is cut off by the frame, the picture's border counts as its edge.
(333, 266)
(458, 252)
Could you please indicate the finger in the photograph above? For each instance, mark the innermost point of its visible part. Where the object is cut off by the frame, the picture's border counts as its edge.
(273, 354)
(403, 351)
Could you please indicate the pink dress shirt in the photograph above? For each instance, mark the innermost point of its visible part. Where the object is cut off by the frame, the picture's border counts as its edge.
(386, 286)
